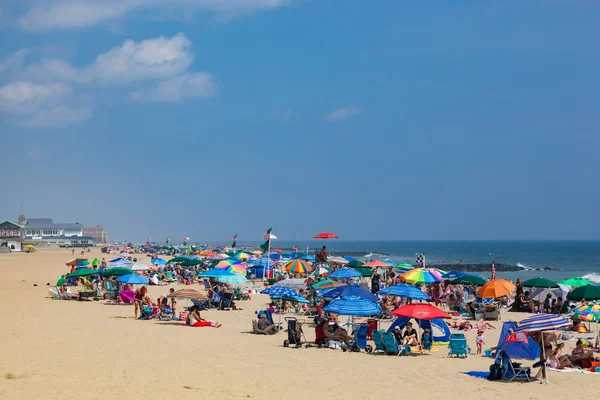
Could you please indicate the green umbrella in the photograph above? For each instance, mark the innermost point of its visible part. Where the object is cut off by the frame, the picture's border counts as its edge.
(472, 279)
(365, 271)
(575, 282)
(354, 264)
(405, 266)
(83, 272)
(61, 281)
(587, 292)
(117, 271)
(540, 283)
(189, 263)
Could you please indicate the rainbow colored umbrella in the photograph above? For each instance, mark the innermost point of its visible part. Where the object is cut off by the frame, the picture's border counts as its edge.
(422, 276)
(377, 263)
(242, 256)
(589, 312)
(297, 267)
(235, 267)
(188, 294)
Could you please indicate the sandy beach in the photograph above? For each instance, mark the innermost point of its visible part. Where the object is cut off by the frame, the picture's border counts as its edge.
(90, 350)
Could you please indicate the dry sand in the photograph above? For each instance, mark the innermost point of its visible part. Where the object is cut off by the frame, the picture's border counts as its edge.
(89, 350)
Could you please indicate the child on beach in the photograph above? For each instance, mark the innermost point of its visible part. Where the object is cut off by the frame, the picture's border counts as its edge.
(426, 339)
(479, 341)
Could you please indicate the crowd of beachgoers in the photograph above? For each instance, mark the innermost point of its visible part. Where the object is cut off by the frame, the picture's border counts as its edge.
(346, 300)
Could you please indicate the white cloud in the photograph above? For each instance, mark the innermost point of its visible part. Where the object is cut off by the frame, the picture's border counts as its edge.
(342, 114)
(198, 84)
(13, 61)
(26, 97)
(156, 58)
(40, 105)
(45, 14)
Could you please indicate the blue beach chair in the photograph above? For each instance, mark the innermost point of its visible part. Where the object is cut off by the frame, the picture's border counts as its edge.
(390, 343)
(511, 370)
(458, 346)
(378, 339)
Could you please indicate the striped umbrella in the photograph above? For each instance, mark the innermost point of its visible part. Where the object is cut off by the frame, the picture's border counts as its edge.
(542, 322)
(326, 284)
(232, 266)
(321, 271)
(353, 306)
(187, 294)
(377, 263)
(422, 276)
(345, 273)
(242, 256)
(297, 267)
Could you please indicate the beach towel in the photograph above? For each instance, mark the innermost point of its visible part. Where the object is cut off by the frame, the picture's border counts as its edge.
(127, 296)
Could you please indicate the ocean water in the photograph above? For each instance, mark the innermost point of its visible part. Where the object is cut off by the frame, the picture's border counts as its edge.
(565, 258)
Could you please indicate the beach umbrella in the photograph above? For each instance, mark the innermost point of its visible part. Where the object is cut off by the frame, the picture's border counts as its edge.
(454, 275)
(189, 262)
(297, 267)
(337, 260)
(377, 264)
(344, 273)
(364, 271)
(139, 267)
(422, 311)
(236, 268)
(187, 294)
(541, 292)
(348, 291)
(575, 282)
(61, 281)
(83, 272)
(326, 284)
(326, 235)
(293, 299)
(353, 306)
(496, 288)
(542, 322)
(299, 283)
(321, 271)
(133, 279)
(117, 271)
(280, 291)
(215, 273)
(158, 261)
(406, 291)
(587, 292)
(589, 312)
(263, 262)
(355, 263)
(405, 266)
(540, 283)
(422, 276)
(308, 257)
(471, 279)
(242, 256)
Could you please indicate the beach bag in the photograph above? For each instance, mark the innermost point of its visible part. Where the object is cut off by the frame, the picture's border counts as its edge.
(334, 344)
(495, 372)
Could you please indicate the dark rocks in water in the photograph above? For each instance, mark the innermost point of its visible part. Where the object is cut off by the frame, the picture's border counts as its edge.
(476, 267)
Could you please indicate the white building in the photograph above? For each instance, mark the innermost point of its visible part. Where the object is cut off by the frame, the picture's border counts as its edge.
(47, 230)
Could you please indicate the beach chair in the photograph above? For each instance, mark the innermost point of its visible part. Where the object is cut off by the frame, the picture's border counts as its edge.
(378, 340)
(390, 343)
(511, 370)
(110, 292)
(458, 346)
(360, 339)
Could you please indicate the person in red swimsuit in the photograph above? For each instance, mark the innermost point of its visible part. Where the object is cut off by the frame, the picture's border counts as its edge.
(141, 298)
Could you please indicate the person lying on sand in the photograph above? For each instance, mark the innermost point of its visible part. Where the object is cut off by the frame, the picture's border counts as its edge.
(483, 325)
(461, 324)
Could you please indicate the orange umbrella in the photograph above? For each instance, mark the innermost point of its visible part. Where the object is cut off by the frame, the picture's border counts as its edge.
(496, 288)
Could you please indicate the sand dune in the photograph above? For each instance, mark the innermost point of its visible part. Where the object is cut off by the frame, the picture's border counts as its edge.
(89, 350)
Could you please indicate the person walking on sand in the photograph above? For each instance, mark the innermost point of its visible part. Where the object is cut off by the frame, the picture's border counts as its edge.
(479, 341)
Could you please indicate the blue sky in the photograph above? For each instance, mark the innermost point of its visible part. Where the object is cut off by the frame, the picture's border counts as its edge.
(205, 118)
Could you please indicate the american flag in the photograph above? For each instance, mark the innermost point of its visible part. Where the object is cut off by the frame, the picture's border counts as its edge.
(234, 238)
(421, 260)
(493, 270)
(268, 235)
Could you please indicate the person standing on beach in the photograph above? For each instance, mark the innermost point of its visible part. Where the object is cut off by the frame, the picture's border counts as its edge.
(324, 254)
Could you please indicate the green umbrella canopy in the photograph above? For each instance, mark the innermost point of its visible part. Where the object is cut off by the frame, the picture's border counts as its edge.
(117, 271)
(61, 281)
(405, 266)
(354, 264)
(178, 259)
(189, 263)
(472, 279)
(587, 292)
(575, 282)
(540, 283)
(364, 271)
(83, 272)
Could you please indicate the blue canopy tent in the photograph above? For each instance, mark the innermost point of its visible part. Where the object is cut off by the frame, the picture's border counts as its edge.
(528, 351)
(440, 333)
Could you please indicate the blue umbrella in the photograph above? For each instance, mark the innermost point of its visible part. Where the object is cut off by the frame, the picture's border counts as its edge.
(350, 259)
(215, 273)
(158, 261)
(307, 257)
(453, 275)
(274, 256)
(295, 299)
(133, 279)
(349, 291)
(263, 262)
(407, 291)
(353, 306)
(280, 291)
(344, 273)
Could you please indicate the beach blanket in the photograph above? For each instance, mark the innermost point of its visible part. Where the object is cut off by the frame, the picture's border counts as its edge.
(477, 374)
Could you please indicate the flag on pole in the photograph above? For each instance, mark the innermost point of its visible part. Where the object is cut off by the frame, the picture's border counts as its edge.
(268, 236)
(421, 260)
(493, 270)
(234, 241)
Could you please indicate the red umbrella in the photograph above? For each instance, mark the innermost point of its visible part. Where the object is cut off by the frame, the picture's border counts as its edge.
(278, 250)
(326, 235)
(420, 311)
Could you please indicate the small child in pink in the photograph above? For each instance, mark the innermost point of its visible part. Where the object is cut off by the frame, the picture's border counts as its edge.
(479, 341)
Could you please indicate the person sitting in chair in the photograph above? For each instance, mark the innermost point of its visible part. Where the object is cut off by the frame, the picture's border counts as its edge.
(334, 331)
(263, 326)
(409, 337)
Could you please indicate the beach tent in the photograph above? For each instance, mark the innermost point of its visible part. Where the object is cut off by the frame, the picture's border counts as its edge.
(440, 333)
(528, 351)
